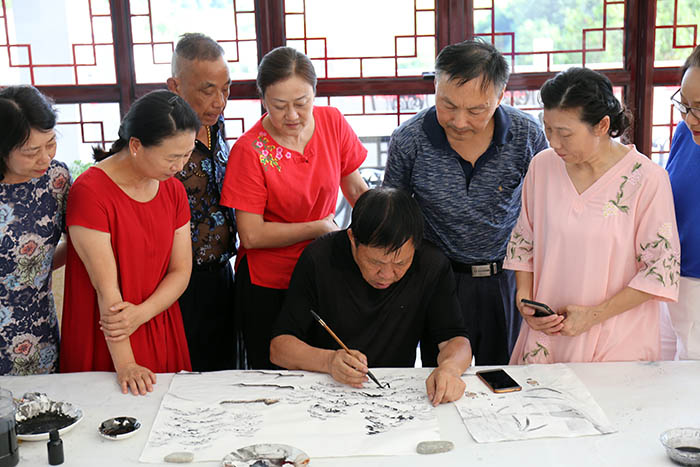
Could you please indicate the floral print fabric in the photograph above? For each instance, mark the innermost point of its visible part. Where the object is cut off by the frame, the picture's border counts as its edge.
(268, 153)
(212, 226)
(32, 219)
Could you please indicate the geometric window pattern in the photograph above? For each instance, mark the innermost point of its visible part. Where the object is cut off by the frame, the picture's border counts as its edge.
(157, 25)
(676, 31)
(529, 100)
(550, 35)
(374, 118)
(666, 117)
(402, 40)
(239, 116)
(69, 43)
(82, 126)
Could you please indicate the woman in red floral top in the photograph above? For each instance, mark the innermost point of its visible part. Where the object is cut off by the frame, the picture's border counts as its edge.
(282, 179)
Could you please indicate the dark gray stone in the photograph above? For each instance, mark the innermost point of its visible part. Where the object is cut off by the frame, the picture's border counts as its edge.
(434, 447)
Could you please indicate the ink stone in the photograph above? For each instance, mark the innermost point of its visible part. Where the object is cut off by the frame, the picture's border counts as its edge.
(182, 457)
(434, 447)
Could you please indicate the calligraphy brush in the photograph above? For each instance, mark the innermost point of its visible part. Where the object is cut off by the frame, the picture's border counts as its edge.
(337, 339)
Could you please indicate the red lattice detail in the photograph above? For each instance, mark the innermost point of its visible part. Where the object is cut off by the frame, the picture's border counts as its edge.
(675, 27)
(240, 115)
(400, 105)
(8, 46)
(83, 123)
(525, 100)
(326, 59)
(238, 126)
(664, 123)
(171, 44)
(604, 29)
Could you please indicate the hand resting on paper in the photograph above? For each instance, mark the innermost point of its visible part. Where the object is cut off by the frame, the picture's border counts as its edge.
(135, 378)
(445, 383)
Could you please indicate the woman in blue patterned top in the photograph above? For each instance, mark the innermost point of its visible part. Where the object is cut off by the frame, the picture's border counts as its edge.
(33, 192)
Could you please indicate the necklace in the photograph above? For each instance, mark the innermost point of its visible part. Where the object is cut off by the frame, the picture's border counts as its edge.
(196, 166)
(196, 169)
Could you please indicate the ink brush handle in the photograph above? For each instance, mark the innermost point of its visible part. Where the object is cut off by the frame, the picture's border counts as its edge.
(345, 347)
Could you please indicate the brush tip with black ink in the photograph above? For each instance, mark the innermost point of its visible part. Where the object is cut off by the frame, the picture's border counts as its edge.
(337, 339)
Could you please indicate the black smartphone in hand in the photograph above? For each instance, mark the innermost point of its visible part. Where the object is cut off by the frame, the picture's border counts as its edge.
(498, 381)
(540, 308)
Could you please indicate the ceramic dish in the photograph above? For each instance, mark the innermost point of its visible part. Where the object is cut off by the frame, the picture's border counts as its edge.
(682, 445)
(266, 455)
(119, 427)
(36, 415)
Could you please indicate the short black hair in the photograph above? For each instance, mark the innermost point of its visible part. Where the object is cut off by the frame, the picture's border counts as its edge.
(471, 59)
(386, 218)
(693, 61)
(589, 91)
(195, 46)
(22, 108)
(152, 118)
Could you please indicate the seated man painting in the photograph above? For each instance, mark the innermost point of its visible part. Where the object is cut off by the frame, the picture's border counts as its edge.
(379, 288)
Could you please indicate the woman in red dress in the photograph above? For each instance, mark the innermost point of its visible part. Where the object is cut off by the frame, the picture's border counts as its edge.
(129, 252)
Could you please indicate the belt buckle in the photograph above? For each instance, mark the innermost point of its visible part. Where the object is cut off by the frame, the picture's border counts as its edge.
(481, 270)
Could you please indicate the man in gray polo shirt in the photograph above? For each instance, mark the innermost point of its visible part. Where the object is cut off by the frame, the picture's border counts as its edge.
(464, 161)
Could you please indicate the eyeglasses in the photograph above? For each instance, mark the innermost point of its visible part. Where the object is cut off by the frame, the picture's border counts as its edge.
(684, 109)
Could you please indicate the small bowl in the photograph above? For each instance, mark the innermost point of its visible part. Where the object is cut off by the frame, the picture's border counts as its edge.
(682, 445)
(119, 427)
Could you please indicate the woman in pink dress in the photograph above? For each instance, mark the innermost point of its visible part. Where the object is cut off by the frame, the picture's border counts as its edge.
(596, 239)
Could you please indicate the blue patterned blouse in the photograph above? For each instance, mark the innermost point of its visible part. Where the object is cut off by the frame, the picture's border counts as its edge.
(32, 219)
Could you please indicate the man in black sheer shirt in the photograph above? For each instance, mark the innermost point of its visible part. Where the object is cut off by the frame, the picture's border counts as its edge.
(200, 75)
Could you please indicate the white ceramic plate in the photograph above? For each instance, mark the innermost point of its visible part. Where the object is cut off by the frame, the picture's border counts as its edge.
(275, 453)
(45, 435)
(119, 427)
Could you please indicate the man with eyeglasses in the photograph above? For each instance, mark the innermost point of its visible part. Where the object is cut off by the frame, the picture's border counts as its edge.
(684, 171)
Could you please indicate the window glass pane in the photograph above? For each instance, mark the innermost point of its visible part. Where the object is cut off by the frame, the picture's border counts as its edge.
(239, 116)
(400, 39)
(529, 100)
(677, 24)
(156, 27)
(65, 43)
(665, 119)
(374, 118)
(551, 35)
(82, 126)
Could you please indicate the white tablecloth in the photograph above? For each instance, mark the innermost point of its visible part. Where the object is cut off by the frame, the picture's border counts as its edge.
(640, 399)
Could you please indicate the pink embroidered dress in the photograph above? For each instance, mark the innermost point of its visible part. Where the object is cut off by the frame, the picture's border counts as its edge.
(585, 248)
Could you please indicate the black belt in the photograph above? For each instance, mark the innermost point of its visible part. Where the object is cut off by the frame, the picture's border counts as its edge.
(478, 269)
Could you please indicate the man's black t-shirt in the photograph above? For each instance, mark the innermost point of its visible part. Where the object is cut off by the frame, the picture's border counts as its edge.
(385, 325)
